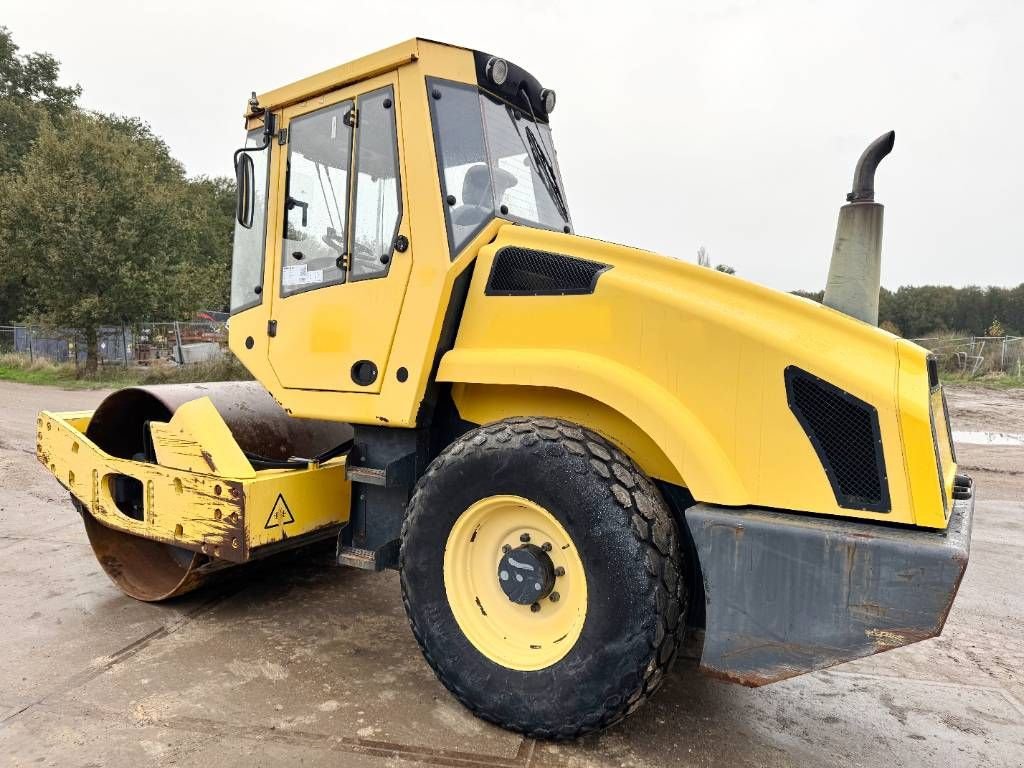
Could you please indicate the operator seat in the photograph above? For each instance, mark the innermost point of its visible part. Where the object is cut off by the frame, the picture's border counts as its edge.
(477, 203)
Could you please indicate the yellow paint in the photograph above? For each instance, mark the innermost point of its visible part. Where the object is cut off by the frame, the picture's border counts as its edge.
(197, 440)
(220, 514)
(373, 317)
(915, 412)
(680, 365)
(481, 403)
(507, 633)
(386, 60)
(694, 360)
(321, 333)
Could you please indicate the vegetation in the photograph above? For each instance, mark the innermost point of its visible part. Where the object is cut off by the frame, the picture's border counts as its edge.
(704, 260)
(30, 98)
(99, 223)
(15, 367)
(988, 381)
(930, 310)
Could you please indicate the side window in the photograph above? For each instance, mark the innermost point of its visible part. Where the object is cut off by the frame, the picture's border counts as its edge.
(462, 158)
(316, 202)
(249, 242)
(377, 205)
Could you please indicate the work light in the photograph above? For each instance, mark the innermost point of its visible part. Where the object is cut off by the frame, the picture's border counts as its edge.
(497, 70)
(548, 97)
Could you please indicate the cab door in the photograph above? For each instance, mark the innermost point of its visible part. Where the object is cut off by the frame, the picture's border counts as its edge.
(344, 262)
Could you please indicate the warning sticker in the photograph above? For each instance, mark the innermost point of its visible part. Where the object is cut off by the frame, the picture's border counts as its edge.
(300, 274)
(280, 514)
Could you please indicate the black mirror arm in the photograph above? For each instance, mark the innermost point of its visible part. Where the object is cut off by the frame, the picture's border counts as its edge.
(269, 124)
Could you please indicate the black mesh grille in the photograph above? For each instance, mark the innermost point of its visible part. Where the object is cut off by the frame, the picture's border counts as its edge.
(520, 271)
(845, 434)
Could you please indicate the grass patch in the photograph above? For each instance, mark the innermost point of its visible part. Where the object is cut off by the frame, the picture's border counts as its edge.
(988, 380)
(20, 369)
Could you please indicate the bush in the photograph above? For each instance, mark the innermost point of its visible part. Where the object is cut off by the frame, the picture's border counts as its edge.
(17, 367)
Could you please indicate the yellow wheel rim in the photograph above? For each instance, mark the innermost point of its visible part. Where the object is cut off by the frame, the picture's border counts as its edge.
(522, 637)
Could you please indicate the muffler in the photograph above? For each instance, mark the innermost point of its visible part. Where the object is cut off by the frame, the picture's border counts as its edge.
(854, 275)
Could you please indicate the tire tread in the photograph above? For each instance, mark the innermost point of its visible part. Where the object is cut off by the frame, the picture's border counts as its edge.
(651, 523)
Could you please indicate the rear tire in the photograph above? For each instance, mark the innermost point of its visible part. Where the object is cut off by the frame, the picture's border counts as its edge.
(569, 482)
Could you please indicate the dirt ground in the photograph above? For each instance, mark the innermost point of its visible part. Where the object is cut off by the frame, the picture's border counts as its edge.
(295, 662)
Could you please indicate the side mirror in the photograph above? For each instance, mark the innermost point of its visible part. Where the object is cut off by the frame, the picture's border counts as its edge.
(245, 174)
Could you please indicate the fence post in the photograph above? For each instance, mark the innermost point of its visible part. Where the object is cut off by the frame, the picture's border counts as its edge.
(177, 337)
(124, 345)
(1002, 357)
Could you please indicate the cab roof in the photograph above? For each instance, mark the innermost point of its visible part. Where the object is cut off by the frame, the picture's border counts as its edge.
(394, 57)
(353, 71)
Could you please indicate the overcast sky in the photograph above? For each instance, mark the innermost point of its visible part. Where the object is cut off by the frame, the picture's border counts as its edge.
(735, 125)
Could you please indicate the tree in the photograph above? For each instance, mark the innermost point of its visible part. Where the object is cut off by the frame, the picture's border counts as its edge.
(102, 227)
(212, 204)
(29, 97)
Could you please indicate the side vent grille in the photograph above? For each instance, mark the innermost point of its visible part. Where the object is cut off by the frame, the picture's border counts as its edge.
(524, 272)
(845, 434)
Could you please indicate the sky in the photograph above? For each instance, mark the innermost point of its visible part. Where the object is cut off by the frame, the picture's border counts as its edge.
(732, 125)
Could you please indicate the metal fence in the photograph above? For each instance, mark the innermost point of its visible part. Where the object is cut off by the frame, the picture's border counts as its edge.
(124, 345)
(977, 355)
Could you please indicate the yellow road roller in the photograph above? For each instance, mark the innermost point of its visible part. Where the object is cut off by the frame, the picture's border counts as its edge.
(574, 452)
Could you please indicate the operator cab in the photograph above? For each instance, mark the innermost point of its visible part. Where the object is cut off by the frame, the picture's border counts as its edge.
(339, 170)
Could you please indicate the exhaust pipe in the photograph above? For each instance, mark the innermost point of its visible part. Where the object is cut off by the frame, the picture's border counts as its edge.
(854, 275)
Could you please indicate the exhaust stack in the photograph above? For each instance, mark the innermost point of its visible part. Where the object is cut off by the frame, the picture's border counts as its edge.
(854, 276)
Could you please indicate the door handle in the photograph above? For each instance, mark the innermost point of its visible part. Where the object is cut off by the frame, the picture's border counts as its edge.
(293, 203)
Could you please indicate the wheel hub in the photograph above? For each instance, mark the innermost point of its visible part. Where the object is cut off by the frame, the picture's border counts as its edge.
(526, 574)
(512, 622)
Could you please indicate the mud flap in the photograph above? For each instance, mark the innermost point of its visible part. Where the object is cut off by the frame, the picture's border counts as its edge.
(788, 594)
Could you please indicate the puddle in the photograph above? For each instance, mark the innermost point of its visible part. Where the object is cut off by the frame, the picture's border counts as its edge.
(988, 438)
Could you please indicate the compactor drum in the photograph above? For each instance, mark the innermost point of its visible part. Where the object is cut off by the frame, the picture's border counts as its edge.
(156, 570)
(575, 452)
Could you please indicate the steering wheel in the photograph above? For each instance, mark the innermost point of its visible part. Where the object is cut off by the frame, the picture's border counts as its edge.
(333, 240)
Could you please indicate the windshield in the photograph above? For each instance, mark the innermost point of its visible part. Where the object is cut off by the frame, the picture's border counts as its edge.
(494, 159)
(247, 256)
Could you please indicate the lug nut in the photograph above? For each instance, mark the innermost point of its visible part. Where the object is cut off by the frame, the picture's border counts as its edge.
(535, 607)
(507, 548)
(559, 571)
(524, 537)
(546, 546)
(554, 597)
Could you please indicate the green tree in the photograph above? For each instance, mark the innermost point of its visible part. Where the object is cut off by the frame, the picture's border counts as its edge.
(102, 227)
(29, 97)
(212, 204)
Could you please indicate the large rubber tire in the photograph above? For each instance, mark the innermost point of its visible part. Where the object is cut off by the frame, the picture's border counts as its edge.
(629, 546)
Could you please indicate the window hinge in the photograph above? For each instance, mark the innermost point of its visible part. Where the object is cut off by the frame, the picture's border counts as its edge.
(282, 136)
(351, 118)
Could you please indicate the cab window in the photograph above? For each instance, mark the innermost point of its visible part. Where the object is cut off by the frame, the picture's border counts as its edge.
(377, 204)
(316, 199)
(250, 242)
